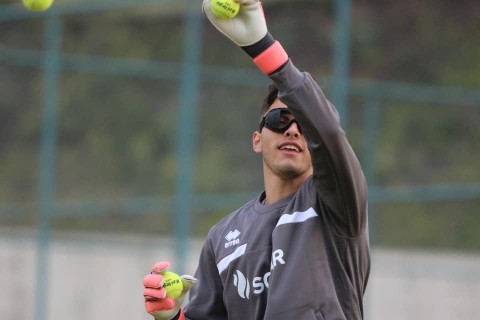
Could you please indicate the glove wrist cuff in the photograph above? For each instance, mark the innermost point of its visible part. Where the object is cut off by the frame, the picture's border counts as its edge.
(271, 59)
(257, 48)
(179, 316)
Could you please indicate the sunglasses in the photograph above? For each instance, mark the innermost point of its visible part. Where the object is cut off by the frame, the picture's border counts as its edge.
(278, 120)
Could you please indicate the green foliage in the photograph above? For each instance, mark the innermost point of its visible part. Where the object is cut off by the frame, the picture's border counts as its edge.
(451, 225)
(429, 144)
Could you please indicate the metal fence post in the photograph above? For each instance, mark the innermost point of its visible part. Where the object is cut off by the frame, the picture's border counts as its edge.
(341, 59)
(187, 130)
(46, 188)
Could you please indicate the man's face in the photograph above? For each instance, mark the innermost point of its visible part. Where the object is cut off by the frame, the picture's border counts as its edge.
(286, 154)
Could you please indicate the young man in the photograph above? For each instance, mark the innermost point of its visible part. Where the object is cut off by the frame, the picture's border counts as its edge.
(300, 250)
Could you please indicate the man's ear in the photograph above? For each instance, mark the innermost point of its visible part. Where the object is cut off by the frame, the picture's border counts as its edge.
(256, 142)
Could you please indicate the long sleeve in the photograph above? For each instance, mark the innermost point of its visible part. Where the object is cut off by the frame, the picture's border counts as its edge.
(338, 177)
(206, 298)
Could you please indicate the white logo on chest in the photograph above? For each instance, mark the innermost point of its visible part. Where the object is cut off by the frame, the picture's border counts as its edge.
(259, 284)
(232, 238)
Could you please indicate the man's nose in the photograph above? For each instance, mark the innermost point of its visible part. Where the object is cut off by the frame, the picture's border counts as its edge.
(293, 129)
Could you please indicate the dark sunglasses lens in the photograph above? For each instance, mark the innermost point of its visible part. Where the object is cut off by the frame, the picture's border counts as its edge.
(278, 120)
(272, 118)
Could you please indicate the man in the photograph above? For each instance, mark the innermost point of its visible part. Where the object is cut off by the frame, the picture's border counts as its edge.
(300, 250)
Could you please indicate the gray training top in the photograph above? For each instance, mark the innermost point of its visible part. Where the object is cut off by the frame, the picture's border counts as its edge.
(306, 256)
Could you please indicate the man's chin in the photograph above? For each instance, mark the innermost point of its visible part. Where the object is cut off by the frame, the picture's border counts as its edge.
(289, 173)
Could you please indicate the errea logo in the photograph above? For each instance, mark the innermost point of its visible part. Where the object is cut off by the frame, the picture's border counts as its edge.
(232, 238)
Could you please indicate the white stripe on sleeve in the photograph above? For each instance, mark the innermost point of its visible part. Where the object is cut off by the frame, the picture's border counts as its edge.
(297, 217)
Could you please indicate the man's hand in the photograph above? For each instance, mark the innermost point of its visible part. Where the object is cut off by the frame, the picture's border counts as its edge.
(246, 28)
(157, 303)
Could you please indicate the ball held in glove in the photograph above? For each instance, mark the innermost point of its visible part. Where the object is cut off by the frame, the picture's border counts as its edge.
(173, 284)
(225, 9)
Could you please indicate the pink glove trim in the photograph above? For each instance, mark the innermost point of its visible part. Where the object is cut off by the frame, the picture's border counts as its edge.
(153, 294)
(160, 266)
(182, 315)
(153, 281)
(271, 59)
(153, 306)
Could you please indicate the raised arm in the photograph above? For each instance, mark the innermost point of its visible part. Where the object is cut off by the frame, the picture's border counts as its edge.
(338, 177)
(337, 174)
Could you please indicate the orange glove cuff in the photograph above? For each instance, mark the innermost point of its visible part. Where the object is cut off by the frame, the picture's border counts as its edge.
(271, 59)
(180, 316)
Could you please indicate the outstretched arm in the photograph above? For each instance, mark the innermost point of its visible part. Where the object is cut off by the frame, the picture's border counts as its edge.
(338, 176)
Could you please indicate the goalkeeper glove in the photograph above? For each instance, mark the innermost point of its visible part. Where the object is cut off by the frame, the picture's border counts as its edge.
(248, 29)
(157, 303)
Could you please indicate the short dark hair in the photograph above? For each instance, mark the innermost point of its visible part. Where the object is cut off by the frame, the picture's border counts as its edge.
(272, 95)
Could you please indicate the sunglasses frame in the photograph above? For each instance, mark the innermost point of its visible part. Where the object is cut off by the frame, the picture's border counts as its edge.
(268, 124)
